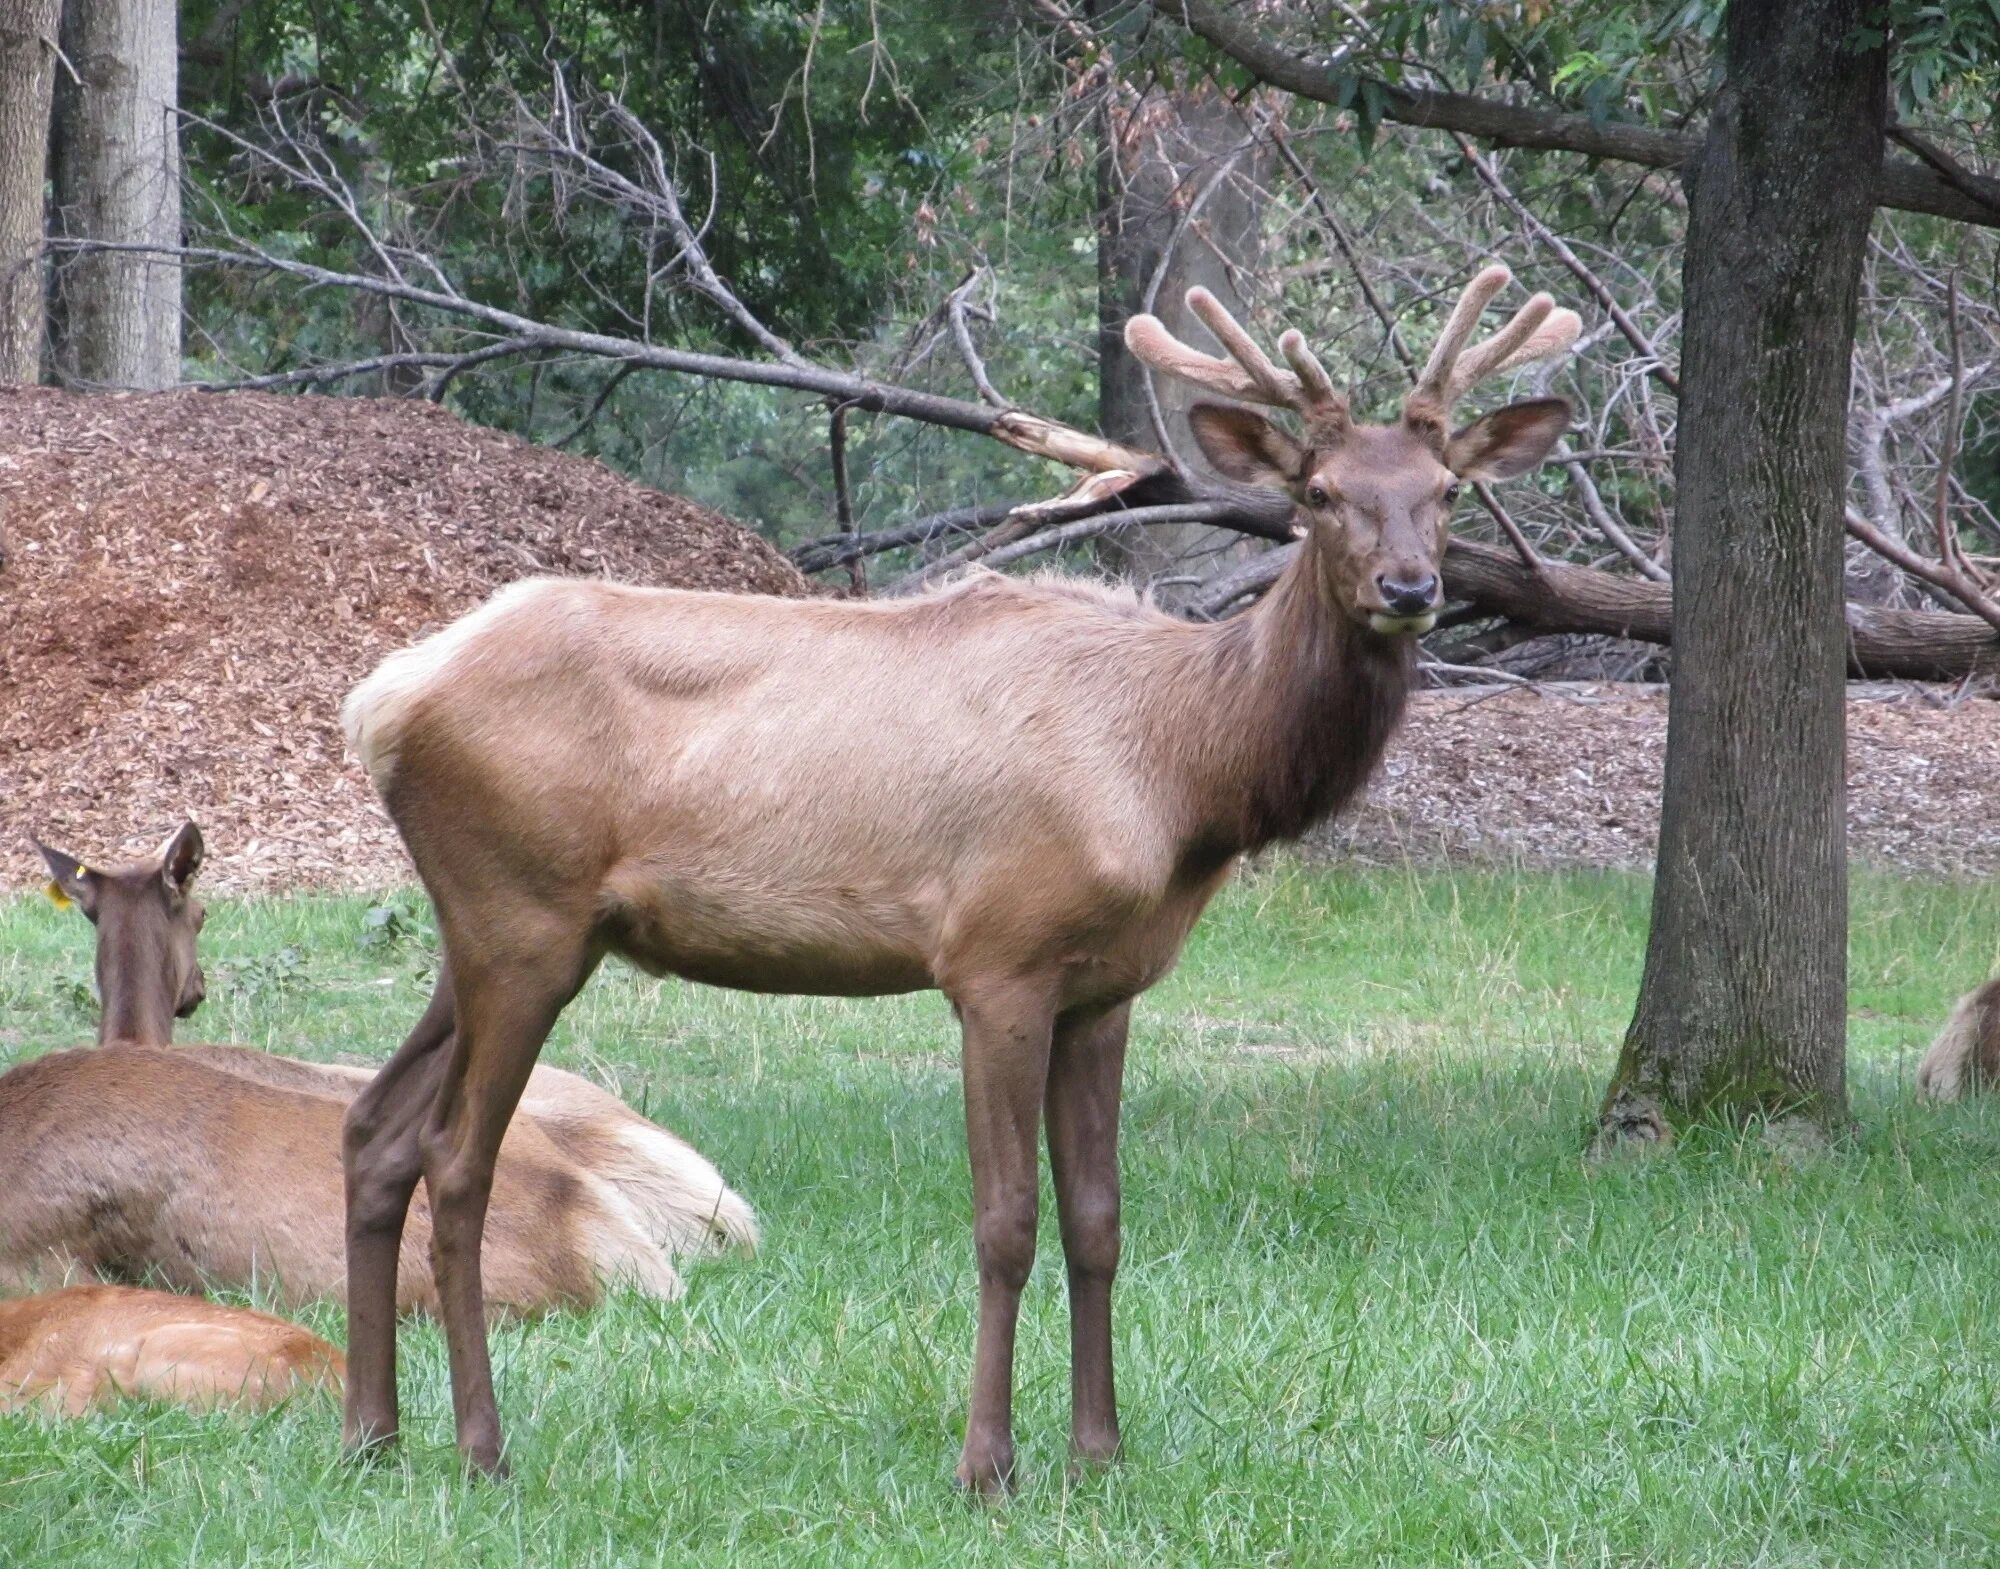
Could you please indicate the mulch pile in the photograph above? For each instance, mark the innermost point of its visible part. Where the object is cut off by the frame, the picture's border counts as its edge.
(194, 582)
(1567, 776)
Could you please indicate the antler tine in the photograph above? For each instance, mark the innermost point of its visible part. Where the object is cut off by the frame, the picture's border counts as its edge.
(1458, 327)
(1276, 386)
(1479, 361)
(1536, 331)
(1148, 339)
(1562, 328)
(1248, 372)
(1317, 384)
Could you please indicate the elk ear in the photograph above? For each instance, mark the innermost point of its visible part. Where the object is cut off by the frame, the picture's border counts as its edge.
(71, 882)
(1244, 446)
(1508, 441)
(180, 859)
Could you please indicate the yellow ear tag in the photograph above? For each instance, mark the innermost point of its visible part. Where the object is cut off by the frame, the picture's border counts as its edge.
(57, 897)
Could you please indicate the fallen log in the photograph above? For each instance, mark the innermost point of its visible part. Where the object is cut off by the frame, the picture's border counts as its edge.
(1914, 645)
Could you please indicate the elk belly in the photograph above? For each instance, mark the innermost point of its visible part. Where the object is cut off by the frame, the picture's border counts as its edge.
(734, 928)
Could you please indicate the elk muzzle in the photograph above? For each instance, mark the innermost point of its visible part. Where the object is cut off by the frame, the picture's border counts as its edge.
(1408, 604)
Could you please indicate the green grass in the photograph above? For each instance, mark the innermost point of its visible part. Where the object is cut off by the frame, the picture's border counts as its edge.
(1375, 1309)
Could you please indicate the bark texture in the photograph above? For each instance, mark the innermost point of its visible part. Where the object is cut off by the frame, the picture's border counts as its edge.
(1743, 1006)
(118, 179)
(27, 80)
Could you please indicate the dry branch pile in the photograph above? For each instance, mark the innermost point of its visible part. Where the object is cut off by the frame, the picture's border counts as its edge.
(193, 582)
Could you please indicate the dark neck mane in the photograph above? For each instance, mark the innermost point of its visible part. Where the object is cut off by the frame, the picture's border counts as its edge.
(1306, 699)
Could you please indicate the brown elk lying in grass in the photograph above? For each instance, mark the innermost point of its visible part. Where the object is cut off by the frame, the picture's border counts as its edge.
(222, 1163)
(1965, 1058)
(86, 1346)
(1019, 793)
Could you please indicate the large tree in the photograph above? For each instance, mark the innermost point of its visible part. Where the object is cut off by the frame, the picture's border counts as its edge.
(1744, 1001)
(27, 77)
(117, 177)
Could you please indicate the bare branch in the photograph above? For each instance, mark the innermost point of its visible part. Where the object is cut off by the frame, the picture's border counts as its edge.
(1025, 432)
(1942, 578)
(833, 550)
(958, 307)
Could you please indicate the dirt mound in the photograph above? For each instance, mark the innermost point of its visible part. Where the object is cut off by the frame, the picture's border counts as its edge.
(1571, 775)
(193, 582)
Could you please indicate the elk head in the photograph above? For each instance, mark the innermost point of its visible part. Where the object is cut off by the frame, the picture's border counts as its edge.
(147, 920)
(1374, 500)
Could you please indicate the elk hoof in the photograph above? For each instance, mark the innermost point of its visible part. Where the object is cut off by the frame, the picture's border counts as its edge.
(986, 1473)
(1091, 1453)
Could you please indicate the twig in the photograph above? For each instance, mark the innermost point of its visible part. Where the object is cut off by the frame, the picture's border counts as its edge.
(957, 309)
(320, 374)
(1600, 516)
(603, 397)
(843, 503)
(1949, 550)
(1017, 535)
(466, 362)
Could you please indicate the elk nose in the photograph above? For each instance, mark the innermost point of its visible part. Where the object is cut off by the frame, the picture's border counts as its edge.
(1407, 597)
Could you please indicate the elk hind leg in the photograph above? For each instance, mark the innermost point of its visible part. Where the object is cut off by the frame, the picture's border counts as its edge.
(506, 1007)
(382, 1159)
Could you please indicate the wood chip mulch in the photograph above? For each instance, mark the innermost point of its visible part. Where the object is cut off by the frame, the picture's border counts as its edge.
(193, 583)
(1571, 776)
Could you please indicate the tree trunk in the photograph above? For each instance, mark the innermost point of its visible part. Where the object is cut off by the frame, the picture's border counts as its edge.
(27, 79)
(118, 179)
(1742, 1010)
(1163, 153)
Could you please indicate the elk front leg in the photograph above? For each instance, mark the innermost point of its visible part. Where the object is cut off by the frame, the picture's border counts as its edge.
(1086, 1079)
(381, 1158)
(1007, 1032)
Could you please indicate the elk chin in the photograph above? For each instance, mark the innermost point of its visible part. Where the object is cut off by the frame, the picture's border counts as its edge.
(1398, 626)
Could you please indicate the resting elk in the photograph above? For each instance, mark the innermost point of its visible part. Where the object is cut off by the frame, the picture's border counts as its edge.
(1021, 793)
(86, 1346)
(1965, 1057)
(221, 1164)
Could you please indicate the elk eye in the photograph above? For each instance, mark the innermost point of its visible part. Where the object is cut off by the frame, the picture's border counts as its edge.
(1316, 494)
(1451, 492)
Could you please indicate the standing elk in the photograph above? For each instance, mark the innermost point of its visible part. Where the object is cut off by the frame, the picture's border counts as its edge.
(222, 1163)
(86, 1346)
(1021, 793)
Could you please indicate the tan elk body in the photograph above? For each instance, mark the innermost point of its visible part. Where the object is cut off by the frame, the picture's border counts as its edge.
(1021, 793)
(209, 1164)
(74, 1350)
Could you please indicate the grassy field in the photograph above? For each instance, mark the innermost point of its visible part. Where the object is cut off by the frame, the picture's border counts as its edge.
(1374, 1309)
